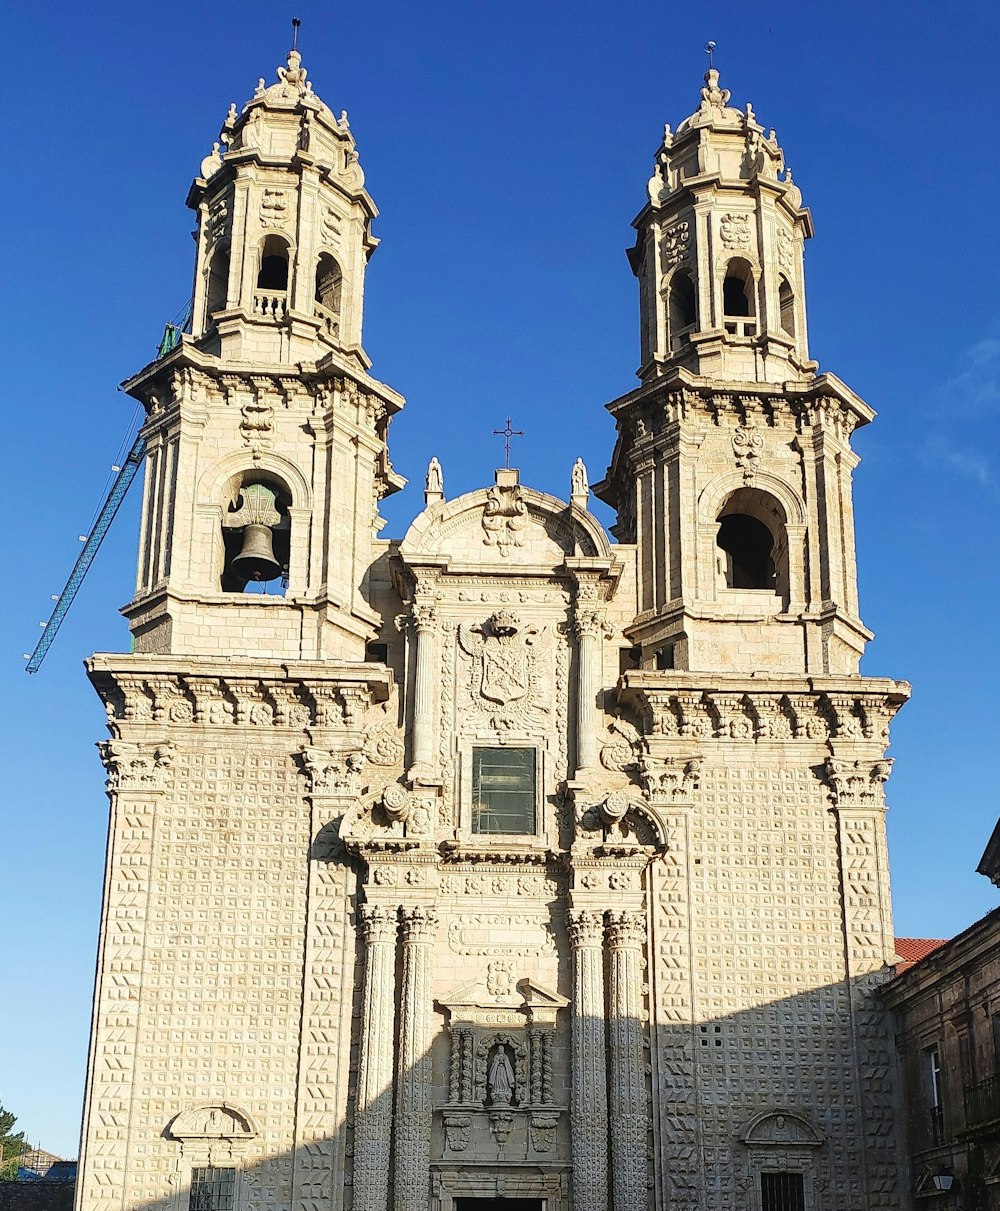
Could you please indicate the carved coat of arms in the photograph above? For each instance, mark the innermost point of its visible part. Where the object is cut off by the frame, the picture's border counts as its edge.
(505, 655)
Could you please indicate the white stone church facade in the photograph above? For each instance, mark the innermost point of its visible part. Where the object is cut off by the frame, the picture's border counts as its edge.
(502, 864)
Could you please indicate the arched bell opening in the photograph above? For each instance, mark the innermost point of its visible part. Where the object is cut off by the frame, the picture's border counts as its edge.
(329, 283)
(786, 306)
(273, 271)
(739, 298)
(256, 535)
(682, 307)
(752, 543)
(217, 291)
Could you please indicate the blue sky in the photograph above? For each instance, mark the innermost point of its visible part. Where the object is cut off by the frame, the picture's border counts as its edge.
(507, 146)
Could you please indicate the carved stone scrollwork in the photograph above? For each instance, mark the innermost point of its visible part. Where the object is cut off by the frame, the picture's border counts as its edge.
(456, 1130)
(748, 445)
(858, 784)
(383, 745)
(543, 1131)
(624, 747)
(505, 518)
(135, 766)
(331, 773)
(676, 244)
(501, 1125)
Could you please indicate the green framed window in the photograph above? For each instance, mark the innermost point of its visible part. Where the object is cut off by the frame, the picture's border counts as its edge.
(503, 790)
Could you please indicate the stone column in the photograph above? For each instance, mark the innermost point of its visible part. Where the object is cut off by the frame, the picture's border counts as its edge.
(373, 1113)
(413, 1087)
(629, 1114)
(424, 623)
(589, 1110)
(588, 630)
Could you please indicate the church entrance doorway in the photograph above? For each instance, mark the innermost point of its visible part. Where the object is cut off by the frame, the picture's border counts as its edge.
(499, 1204)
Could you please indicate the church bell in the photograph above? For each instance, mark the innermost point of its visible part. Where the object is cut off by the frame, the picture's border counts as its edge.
(256, 559)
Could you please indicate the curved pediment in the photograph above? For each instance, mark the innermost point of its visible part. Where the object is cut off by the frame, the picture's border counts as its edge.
(213, 1120)
(781, 1129)
(505, 525)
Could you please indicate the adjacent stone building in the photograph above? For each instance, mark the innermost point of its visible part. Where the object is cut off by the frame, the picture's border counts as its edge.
(502, 862)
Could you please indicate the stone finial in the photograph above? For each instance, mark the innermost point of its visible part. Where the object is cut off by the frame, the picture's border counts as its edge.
(211, 163)
(579, 485)
(712, 96)
(434, 483)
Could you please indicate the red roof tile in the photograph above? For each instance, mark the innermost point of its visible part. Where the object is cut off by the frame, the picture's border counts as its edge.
(912, 950)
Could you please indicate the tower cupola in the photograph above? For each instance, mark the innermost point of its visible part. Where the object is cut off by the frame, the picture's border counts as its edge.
(718, 252)
(284, 230)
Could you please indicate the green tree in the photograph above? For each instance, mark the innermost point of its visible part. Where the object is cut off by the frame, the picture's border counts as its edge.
(12, 1146)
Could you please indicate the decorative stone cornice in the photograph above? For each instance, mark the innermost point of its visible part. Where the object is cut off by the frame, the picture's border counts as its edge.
(674, 706)
(136, 766)
(235, 693)
(858, 785)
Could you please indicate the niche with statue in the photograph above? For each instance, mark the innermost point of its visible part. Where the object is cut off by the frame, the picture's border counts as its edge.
(256, 536)
(501, 1093)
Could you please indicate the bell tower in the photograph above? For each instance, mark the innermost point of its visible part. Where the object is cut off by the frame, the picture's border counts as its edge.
(266, 435)
(732, 467)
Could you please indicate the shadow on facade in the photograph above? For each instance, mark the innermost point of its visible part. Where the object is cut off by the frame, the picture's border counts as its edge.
(782, 1106)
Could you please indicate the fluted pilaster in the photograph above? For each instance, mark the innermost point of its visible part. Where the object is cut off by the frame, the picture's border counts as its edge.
(373, 1115)
(589, 1115)
(413, 1105)
(629, 1112)
(424, 626)
(588, 630)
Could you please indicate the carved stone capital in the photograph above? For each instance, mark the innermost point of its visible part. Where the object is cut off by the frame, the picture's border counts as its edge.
(378, 924)
(332, 773)
(626, 929)
(419, 924)
(858, 784)
(424, 617)
(586, 928)
(670, 780)
(133, 766)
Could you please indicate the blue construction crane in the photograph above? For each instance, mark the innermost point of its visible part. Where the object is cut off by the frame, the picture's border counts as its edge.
(170, 340)
(90, 549)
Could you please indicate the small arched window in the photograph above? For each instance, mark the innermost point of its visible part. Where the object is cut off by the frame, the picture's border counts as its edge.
(738, 289)
(786, 302)
(329, 283)
(217, 294)
(273, 274)
(682, 307)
